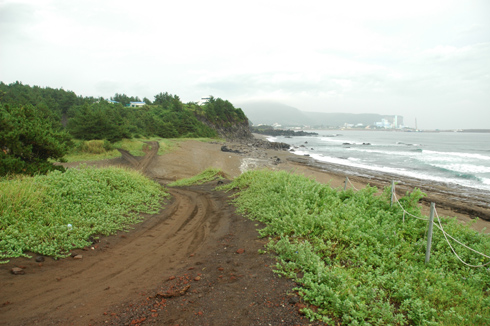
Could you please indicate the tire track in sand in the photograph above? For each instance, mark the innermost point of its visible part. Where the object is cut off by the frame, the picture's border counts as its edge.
(79, 291)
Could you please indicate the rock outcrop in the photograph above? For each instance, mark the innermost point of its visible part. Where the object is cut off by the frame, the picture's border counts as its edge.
(236, 131)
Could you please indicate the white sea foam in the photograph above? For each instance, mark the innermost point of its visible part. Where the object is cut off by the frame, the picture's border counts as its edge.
(397, 171)
(457, 154)
(333, 140)
(464, 168)
(443, 158)
(389, 153)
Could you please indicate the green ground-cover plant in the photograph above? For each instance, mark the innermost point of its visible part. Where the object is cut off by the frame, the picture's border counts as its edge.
(35, 211)
(207, 175)
(358, 262)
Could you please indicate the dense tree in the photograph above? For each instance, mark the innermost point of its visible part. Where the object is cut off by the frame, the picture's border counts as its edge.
(169, 102)
(94, 118)
(124, 99)
(28, 141)
(221, 111)
(99, 121)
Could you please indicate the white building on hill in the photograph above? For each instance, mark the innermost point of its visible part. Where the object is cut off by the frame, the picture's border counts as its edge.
(205, 99)
(136, 104)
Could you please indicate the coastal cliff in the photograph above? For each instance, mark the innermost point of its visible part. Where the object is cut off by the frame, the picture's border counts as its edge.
(234, 130)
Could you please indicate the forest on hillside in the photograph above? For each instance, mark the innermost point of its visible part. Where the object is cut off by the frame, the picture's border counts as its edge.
(38, 123)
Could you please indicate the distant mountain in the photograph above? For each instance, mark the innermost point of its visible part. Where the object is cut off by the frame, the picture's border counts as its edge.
(273, 112)
(269, 113)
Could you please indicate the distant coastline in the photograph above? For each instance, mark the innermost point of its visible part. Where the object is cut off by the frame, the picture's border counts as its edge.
(395, 130)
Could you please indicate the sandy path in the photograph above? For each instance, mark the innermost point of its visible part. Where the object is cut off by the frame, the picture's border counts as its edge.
(79, 291)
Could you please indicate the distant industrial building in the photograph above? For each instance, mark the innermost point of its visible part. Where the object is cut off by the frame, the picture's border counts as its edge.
(390, 122)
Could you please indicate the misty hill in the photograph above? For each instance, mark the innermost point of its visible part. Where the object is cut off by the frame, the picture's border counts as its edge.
(285, 115)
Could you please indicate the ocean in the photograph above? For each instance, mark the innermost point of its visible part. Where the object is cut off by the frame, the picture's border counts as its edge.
(452, 158)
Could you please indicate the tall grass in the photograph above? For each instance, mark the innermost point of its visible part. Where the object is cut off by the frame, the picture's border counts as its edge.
(203, 177)
(35, 212)
(355, 259)
(93, 150)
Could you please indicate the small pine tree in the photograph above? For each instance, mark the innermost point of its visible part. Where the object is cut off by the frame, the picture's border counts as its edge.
(28, 142)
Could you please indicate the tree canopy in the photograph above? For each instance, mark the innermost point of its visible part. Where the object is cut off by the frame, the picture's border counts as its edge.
(28, 141)
(37, 122)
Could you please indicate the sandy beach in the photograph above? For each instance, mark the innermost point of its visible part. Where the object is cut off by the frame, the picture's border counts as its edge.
(192, 157)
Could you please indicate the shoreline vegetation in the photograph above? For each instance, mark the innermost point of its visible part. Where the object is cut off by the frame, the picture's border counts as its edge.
(55, 213)
(353, 257)
(355, 260)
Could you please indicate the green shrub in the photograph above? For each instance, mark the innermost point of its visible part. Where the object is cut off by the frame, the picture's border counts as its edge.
(203, 177)
(35, 211)
(95, 146)
(358, 262)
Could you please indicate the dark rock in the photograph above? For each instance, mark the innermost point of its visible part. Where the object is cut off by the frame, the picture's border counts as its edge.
(39, 259)
(225, 148)
(293, 300)
(17, 271)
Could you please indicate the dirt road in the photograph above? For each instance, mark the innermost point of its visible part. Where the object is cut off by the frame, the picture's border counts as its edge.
(194, 263)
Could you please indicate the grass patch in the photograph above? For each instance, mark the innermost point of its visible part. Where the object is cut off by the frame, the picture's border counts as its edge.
(355, 259)
(95, 150)
(35, 211)
(207, 175)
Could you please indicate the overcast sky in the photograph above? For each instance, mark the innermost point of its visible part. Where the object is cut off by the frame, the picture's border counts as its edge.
(424, 59)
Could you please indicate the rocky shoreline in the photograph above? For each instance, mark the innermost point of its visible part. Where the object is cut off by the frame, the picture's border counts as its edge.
(459, 199)
(450, 196)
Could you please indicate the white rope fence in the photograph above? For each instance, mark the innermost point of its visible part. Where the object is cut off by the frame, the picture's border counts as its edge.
(439, 226)
(405, 212)
(446, 235)
(454, 251)
(352, 185)
(347, 181)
